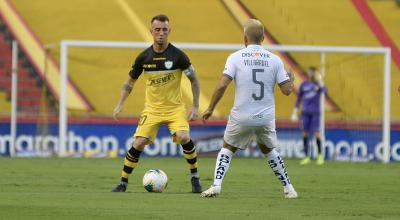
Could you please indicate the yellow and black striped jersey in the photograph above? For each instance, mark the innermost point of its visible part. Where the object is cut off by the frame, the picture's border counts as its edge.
(163, 72)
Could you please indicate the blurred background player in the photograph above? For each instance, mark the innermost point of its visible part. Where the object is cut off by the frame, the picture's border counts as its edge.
(255, 72)
(309, 96)
(163, 65)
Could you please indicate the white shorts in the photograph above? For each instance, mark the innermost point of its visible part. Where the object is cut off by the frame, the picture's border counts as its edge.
(240, 136)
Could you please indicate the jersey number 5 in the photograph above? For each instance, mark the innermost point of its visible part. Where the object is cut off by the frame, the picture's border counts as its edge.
(261, 96)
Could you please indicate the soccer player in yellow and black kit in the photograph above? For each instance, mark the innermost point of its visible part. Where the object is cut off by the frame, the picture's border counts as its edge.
(162, 64)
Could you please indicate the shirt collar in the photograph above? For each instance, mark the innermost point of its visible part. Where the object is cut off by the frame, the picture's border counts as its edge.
(254, 46)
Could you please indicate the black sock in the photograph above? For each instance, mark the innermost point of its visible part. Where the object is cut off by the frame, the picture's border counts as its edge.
(190, 154)
(306, 146)
(319, 145)
(130, 162)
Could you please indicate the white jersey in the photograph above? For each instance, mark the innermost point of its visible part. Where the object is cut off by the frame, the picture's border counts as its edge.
(255, 72)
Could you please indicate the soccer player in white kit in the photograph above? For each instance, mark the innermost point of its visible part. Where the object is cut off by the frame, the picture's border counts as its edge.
(255, 72)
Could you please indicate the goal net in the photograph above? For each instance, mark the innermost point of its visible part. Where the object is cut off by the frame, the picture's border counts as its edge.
(355, 117)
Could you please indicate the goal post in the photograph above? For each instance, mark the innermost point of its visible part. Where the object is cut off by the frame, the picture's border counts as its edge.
(14, 97)
(322, 50)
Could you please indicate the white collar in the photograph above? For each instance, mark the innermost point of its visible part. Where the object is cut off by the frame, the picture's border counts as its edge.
(254, 46)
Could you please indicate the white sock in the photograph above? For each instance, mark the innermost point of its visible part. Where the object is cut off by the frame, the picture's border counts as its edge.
(277, 165)
(222, 165)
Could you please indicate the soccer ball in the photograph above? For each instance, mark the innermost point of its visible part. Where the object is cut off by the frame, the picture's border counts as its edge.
(155, 180)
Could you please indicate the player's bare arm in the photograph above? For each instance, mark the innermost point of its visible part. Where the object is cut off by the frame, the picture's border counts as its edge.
(191, 74)
(217, 95)
(287, 87)
(126, 90)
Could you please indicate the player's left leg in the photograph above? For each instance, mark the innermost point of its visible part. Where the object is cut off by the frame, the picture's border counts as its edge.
(266, 139)
(190, 154)
(222, 165)
(236, 137)
(189, 151)
(320, 157)
(179, 128)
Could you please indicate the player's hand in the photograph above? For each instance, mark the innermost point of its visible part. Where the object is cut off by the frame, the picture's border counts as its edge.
(207, 114)
(318, 77)
(193, 113)
(291, 76)
(116, 111)
(319, 80)
(294, 116)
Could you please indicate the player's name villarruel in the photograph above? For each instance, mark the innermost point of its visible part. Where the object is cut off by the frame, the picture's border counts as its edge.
(256, 62)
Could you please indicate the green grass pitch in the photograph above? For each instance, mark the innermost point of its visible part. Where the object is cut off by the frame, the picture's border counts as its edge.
(53, 188)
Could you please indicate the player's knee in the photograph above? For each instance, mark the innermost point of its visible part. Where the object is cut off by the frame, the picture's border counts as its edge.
(140, 143)
(264, 149)
(229, 147)
(267, 150)
(183, 138)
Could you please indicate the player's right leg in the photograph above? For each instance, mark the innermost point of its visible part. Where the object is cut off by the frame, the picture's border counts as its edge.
(145, 134)
(306, 147)
(275, 161)
(306, 123)
(314, 129)
(130, 162)
(267, 141)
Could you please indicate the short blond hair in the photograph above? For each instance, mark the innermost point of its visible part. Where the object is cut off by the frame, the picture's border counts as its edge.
(254, 30)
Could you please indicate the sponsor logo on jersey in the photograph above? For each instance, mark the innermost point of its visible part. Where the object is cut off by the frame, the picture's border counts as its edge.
(168, 64)
(161, 79)
(255, 54)
(149, 66)
(159, 58)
